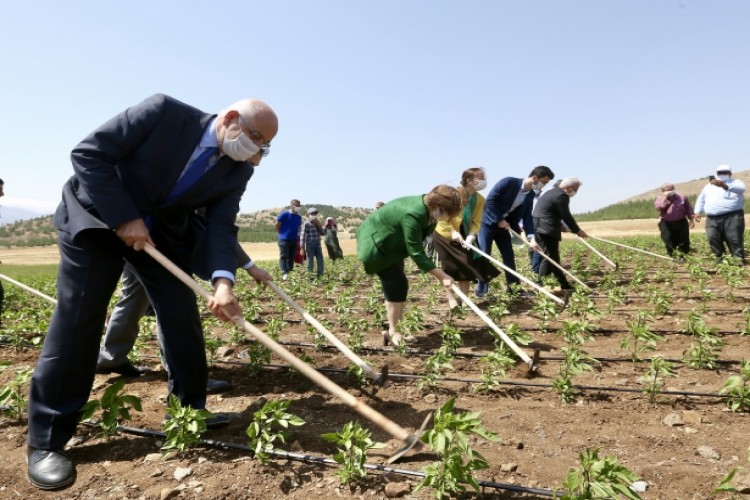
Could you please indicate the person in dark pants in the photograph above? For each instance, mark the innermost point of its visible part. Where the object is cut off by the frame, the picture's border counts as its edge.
(675, 220)
(123, 327)
(723, 201)
(552, 209)
(287, 225)
(509, 202)
(137, 180)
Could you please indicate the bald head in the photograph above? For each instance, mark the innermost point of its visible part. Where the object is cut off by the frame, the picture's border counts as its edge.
(254, 118)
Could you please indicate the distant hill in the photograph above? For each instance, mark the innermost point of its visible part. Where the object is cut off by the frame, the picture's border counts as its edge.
(9, 215)
(642, 206)
(254, 227)
(259, 226)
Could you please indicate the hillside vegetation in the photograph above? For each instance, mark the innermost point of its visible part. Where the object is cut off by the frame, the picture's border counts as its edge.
(256, 227)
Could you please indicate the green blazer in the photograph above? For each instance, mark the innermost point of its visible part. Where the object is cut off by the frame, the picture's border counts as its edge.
(393, 232)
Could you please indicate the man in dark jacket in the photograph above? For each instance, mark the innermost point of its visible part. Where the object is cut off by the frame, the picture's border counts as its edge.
(552, 209)
(509, 202)
(137, 179)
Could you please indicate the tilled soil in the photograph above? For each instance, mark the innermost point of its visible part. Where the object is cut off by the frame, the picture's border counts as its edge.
(539, 435)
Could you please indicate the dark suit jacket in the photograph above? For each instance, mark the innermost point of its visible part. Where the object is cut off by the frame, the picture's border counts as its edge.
(553, 206)
(126, 168)
(501, 198)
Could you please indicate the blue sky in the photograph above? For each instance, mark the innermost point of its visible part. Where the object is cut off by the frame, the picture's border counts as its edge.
(383, 99)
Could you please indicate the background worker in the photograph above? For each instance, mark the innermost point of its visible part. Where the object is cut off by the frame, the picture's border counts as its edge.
(312, 231)
(723, 201)
(675, 220)
(287, 225)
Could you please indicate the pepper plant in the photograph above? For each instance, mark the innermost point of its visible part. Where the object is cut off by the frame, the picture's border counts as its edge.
(115, 407)
(269, 425)
(598, 478)
(449, 438)
(353, 442)
(12, 395)
(654, 377)
(736, 389)
(183, 427)
(494, 366)
(640, 338)
(439, 361)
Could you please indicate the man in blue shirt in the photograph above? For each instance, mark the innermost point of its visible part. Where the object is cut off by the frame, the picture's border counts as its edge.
(287, 225)
(509, 202)
(723, 200)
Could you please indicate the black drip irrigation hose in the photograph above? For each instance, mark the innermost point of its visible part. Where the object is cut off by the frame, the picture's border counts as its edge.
(407, 376)
(471, 355)
(327, 461)
(428, 352)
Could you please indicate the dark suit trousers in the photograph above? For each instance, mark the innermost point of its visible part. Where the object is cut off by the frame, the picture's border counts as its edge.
(87, 277)
(501, 237)
(551, 247)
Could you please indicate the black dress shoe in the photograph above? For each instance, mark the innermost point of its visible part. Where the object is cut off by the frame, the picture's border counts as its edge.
(214, 386)
(49, 469)
(126, 370)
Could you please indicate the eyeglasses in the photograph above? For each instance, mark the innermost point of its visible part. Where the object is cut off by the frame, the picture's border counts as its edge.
(265, 146)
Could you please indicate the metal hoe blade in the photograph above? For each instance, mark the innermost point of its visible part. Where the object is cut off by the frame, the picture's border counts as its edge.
(411, 442)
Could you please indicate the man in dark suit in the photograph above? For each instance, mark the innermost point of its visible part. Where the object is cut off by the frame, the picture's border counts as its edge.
(137, 180)
(509, 202)
(552, 209)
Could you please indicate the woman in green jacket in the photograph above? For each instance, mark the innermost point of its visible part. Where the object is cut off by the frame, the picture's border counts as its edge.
(396, 231)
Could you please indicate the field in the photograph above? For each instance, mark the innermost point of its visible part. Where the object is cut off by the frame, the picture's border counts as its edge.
(681, 438)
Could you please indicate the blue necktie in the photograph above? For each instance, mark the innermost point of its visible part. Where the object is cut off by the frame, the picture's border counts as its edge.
(192, 173)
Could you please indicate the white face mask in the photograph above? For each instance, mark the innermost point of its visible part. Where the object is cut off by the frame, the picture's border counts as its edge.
(480, 184)
(295, 209)
(572, 193)
(240, 148)
(723, 178)
(435, 214)
(537, 186)
(313, 216)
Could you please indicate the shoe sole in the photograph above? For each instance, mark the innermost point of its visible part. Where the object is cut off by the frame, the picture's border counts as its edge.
(47, 487)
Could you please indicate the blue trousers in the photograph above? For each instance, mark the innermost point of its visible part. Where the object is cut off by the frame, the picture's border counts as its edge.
(315, 252)
(501, 237)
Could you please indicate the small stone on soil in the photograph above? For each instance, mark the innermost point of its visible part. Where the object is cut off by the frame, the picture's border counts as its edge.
(396, 490)
(672, 420)
(181, 473)
(707, 452)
